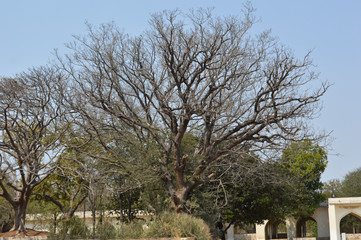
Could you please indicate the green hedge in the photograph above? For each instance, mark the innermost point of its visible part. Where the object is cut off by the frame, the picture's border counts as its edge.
(178, 225)
(165, 225)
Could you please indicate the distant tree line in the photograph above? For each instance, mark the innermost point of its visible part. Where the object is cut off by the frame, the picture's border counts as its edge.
(348, 186)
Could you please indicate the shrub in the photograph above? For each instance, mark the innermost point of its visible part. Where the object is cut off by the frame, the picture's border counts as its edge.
(69, 229)
(178, 225)
(132, 230)
(105, 230)
(77, 228)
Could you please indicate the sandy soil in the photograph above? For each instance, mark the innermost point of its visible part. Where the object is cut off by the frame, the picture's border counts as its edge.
(29, 232)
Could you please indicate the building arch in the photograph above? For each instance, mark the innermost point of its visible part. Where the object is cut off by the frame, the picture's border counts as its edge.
(276, 229)
(338, 208)
(349, 213)
(306, 227)
(350, 223)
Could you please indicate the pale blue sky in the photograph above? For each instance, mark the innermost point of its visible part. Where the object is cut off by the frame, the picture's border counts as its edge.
(30, 30)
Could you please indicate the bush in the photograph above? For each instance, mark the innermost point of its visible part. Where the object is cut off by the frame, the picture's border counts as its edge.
(132, 230)
(178, 225)
(77, 228)
(70, 229)
(165, 225)
(105, 230)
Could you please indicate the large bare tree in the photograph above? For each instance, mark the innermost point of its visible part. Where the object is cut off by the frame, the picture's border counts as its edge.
(195, 75)
(29, 139)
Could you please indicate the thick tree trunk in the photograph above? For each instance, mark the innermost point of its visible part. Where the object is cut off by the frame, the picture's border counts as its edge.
(179, 198)
(179, 192)
(19, 216)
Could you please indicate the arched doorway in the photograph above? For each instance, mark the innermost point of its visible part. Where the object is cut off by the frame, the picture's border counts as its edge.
(276, 230)
(306, 227)
(350, 224)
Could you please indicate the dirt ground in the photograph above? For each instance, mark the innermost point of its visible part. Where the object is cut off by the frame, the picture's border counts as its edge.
(29, 232)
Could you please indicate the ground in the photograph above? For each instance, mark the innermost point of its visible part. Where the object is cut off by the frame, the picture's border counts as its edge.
(29, 232)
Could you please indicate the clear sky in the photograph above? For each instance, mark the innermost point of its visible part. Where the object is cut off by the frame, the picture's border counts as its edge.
(30, 30)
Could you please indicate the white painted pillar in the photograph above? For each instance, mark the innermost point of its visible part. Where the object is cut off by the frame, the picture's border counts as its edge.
(333, 222)
(261, 231)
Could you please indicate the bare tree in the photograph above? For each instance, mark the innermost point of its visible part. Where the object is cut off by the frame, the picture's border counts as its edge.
(30, 131)
(193, 74)
(87, 175)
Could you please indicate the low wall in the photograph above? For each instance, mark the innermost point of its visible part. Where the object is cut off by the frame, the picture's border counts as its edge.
(312, 238)
(306, 238)
(41, 222)
(245, 236)
(353, 236)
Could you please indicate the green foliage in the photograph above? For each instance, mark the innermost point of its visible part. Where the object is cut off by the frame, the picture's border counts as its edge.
(37, 204)
(256, 190)
(178, 225)
(311, 227)
(6, 215)
(332, 188)
(303, 163)
(133, 230)
(351, 184)
(154, 198)
(130, 202)
(105, 230)
(166, 225)
(72, 229)
(245, 228)
(282, 228)
(350, 224)
(203, 204)
(255, 203)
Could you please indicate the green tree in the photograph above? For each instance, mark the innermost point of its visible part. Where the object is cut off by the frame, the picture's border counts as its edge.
(6, 215)
(351, 184)
(264, 190)
(66, 192)
(332, 188)
(304, 162)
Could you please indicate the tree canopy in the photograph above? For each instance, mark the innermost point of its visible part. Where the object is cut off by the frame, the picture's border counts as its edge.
(30, 131)
(289, 186)
(192, 73)
(349, 186)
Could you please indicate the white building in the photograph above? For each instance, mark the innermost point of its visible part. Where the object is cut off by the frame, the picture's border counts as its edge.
(327, 217)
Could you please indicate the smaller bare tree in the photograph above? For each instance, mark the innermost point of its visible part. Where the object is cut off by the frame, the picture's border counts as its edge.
(30, 129)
